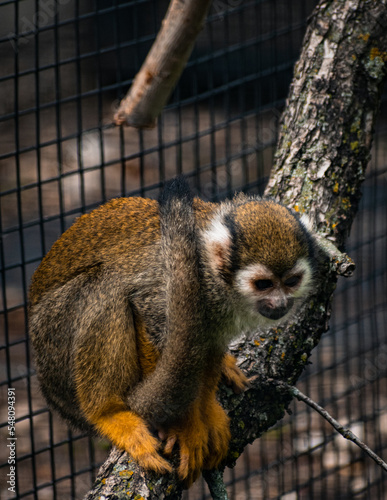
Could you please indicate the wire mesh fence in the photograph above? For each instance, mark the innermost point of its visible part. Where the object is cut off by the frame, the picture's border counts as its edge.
(64, 66)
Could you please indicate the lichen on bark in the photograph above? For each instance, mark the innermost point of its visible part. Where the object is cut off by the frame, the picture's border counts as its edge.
(327, 126)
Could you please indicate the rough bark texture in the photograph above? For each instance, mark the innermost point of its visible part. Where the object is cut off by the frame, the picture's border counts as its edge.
(327, 127)
(323, 150)
(162, 68)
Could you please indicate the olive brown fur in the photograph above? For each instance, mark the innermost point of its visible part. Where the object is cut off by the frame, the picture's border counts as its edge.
(132, 309)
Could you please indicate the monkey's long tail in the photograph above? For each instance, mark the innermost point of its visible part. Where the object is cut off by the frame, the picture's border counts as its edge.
(179, 243)
(177, 376)
(181, 254)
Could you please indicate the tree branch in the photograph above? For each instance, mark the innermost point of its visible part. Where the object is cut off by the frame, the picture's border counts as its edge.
(164, 64)
(344, 431)
(327, 127)
(323, 149)
(214, 480)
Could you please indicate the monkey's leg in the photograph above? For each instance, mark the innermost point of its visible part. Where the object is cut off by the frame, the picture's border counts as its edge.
(106, 367)
(111, 418)
(193, 437)
(232, 375)
(129, 432)
(203, 435)
(219, 431)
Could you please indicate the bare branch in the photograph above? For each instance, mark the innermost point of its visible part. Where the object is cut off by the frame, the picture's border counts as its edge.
(343, 264)
(344, 431)
(164, 64)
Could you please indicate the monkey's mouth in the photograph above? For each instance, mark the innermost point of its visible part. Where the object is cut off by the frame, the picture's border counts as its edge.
(275, 313)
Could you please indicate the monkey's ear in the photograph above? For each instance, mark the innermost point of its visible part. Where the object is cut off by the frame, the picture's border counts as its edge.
(218, 247)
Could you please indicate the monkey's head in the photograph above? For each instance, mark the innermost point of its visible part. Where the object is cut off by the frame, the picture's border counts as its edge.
(264, 254)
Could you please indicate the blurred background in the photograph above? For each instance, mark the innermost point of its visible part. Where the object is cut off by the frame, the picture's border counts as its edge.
(65, 65)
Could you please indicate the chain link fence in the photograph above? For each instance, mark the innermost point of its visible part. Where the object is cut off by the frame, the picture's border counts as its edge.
(65, 65)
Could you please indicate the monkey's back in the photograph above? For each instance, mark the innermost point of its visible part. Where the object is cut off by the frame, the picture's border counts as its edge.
(120, 232)
(107, 260)
(114, 232)
(84, 270)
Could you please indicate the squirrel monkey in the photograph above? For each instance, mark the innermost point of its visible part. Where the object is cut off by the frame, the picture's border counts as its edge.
(132, 309)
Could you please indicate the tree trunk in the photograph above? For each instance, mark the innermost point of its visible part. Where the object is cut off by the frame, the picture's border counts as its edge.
(323, 150)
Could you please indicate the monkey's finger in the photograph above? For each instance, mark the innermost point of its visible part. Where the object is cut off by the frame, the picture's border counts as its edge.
(193, 475)
(170, 443)
(218, 452)
(183, 469)
(218, 449)
(192, 455)
(162, 434)
(188, 473)
(156, 463)
(233, 376)
(238, 381)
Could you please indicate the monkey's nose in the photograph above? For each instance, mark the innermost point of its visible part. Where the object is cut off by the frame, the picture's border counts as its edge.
(275, 313)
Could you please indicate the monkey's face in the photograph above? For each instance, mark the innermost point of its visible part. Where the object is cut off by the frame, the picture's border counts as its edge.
(271, 296)
(263, 255)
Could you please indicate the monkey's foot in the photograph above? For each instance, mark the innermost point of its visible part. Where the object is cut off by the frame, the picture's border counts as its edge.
(128, 431)
(233, 376)
(219, 434)
(193, 438)
(203, 439)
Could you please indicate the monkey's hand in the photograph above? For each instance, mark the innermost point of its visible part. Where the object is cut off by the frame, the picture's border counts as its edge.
(193, 438)
(233, 376)
(203, 439)
(219, 433)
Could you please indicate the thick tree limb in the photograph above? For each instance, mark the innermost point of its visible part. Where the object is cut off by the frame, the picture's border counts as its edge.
(327, 127)
(164, 64)
(323, 150)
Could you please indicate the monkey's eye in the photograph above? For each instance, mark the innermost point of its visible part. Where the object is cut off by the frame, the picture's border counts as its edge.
(293, 281)
(262, 285)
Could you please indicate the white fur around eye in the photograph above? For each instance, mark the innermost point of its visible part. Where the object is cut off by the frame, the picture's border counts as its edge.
(302, 267)
(244, 277)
